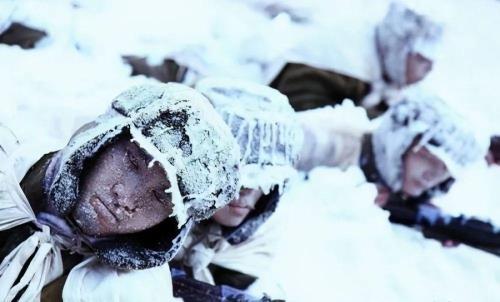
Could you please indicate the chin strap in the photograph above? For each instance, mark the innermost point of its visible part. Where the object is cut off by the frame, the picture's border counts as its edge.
(67, 234)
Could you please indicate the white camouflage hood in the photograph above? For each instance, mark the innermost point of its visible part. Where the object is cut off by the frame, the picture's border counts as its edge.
(178, 127)
(403, 31)
(442, 131)
(265, 126)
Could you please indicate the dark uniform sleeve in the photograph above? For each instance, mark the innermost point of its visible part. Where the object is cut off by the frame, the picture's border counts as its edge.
(308, 87)
(167, 71)
(225, 276)
(21, 35)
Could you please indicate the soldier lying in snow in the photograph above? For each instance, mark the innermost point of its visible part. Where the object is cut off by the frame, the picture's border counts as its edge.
(236, 247)
(405, 43)
(419, 147)
(115, 205)
(416, 152)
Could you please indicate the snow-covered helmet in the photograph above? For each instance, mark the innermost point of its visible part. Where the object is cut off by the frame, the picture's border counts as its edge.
(265, 126)
(441, 130)
(403, 31)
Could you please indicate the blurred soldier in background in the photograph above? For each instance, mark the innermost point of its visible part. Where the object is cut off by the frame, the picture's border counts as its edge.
(232, 253)
(405, 43)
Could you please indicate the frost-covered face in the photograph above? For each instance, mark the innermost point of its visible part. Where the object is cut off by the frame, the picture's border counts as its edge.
(120, 194)
(422, 171)
(417, 67)
(237, 210)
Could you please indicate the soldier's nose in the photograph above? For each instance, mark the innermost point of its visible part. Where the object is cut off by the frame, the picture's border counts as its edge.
(121, 199)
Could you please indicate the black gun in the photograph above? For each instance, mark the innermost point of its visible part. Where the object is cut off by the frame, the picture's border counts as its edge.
(192, 290)
(440, 226)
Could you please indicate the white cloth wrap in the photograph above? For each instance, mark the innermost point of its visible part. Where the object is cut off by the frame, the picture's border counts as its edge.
(40, 252)
(253, 257)
(92, 281)
(333, 136)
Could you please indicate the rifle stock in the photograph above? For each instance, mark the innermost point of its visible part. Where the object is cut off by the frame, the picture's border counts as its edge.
(440, 226)
(192, 290)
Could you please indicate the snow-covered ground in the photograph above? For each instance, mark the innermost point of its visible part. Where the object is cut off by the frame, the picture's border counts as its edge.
(338, 246)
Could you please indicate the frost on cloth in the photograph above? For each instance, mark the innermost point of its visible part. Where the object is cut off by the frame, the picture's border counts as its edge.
(441, 130)
(265, 126)
(332, 135)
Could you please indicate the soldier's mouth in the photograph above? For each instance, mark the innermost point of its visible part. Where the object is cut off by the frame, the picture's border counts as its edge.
(103, 211)
(237, 204)
(239, 211)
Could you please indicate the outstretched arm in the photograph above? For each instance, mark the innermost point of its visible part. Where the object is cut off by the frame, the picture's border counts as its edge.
(332, 136)
(308, 87)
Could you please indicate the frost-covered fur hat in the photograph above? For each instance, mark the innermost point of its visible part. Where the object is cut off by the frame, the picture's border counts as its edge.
(442, 131)
(403, 31)
(179, 128)
(264, 124)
